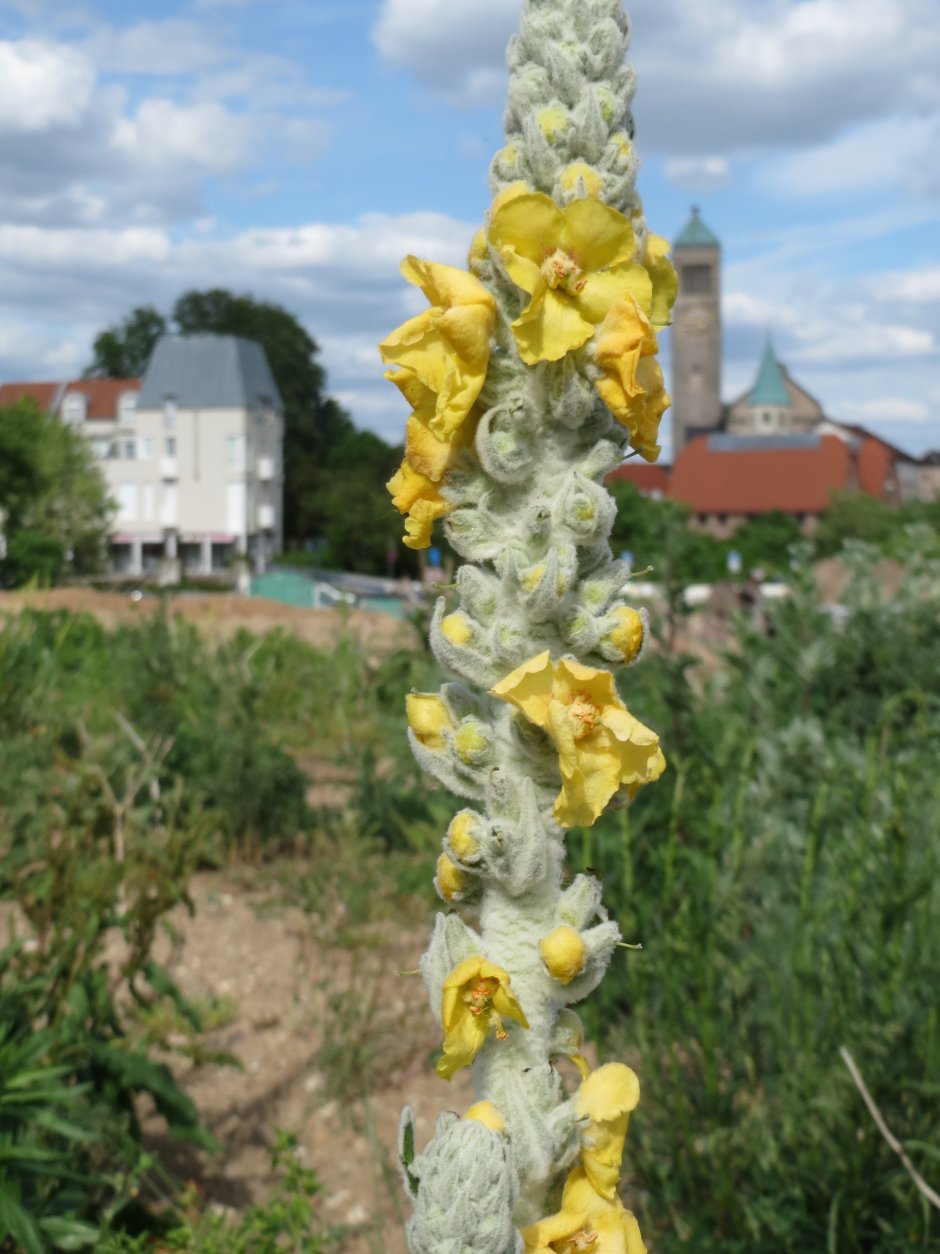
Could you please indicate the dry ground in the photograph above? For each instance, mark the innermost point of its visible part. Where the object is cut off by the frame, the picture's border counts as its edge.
(331, 1042)
(220, 615)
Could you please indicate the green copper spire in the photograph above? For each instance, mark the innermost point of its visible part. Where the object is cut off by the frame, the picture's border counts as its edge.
(770, 387)
(696, 234)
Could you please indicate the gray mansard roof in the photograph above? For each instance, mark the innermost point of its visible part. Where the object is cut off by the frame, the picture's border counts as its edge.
(209, 372)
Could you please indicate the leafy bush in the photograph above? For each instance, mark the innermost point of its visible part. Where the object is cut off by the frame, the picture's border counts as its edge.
(784, 880)
(286, 1222)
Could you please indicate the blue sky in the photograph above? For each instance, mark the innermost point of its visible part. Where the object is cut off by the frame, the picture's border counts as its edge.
(297, 149)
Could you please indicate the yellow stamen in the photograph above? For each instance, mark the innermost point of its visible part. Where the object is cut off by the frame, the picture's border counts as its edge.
(560, 269)
(479, 998)
(583, 714)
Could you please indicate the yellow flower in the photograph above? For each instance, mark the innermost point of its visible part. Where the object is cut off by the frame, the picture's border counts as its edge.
(417, 496)
(573, 262)
(487, 1114)
(427, 716)
(601, 746)
(631, 385)
(476, 999)
(606, 1098)
(663, 277)
(442, 354)
(585, 1222)
(563, 953)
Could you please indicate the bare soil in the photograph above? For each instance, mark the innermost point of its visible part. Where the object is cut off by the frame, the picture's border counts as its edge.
(221, 615)
(331, 1041)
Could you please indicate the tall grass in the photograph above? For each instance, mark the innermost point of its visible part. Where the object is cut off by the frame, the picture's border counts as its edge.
(784, 881)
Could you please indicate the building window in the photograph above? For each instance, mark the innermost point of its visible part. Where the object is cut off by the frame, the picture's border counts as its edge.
(75, 407)
(169, 414)
(145, 448)
(101, 447)
(129, 450)
(235, 452)
(127, 407)
(126, 494)
(696, 281)
(169, 446)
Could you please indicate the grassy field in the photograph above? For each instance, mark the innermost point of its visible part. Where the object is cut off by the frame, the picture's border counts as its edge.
(782, 879)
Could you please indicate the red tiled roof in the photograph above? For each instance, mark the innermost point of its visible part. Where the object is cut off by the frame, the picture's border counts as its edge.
(645, 477)
(745, 480)
(44, 394)
(103, 395)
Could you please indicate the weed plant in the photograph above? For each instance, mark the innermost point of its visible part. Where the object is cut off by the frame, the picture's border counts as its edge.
(784, 882)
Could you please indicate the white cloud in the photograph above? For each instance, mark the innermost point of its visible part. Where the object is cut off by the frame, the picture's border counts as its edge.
(728, 76)
(864, 341)
(457, 50)
(171, 47)
(43, 85)
(888, 409)
(914, 287)
(163, 133)
(891, 151)
(698, 174)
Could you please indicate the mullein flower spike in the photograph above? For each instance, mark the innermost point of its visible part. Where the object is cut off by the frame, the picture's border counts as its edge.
(531, 374)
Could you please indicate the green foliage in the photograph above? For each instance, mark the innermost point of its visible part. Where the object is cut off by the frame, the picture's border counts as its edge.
(53, 500)
(784, 880)
(287, 1221)
(123, 351)
(658, 534)
(767, 543)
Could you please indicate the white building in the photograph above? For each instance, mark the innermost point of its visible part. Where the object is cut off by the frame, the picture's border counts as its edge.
(192, 453)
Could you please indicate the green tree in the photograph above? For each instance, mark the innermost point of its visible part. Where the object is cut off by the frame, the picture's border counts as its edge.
(54, 503)
(855, 516)
(122, 351)
(659, 533)
(360, 525)
(766, 542)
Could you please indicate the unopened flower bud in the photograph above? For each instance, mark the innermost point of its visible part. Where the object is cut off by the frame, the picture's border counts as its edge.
(461, 835)
(563, 953)
(451, 881)
(471, 742)
(457, 628)
(580, 170)
(427, 717)
(553, 121)
(487, 1114)
(626, 636)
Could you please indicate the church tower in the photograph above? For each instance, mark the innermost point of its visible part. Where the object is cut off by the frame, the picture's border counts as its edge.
(696, 334)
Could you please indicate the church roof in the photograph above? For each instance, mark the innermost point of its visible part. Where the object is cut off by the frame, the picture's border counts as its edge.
(696, 234)
(770, 387)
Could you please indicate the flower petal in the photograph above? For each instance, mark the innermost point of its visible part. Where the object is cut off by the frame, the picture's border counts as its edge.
(548, 330)
(596, 234)
(529, 688)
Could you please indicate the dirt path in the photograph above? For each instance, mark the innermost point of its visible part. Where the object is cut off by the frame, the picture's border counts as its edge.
(332, 1042)
(221, 615)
